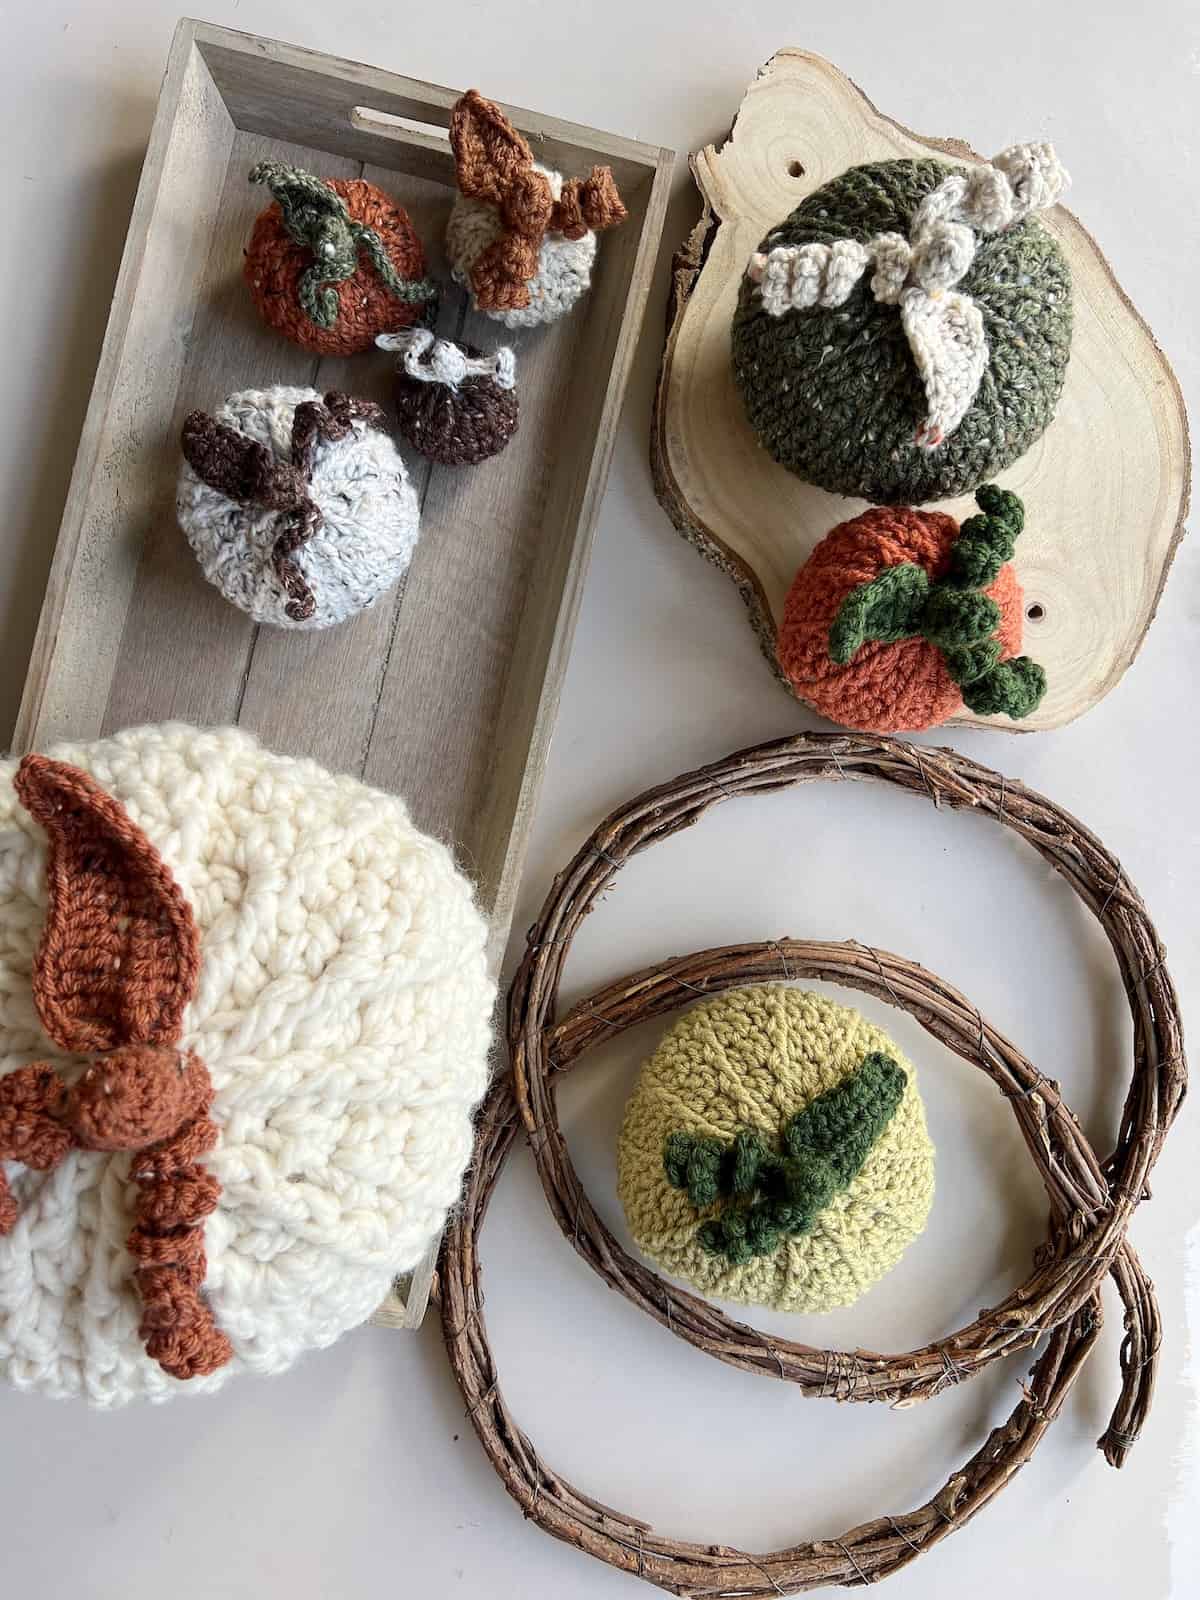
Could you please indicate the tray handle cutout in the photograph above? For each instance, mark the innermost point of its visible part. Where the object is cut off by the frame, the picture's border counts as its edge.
(367, 120)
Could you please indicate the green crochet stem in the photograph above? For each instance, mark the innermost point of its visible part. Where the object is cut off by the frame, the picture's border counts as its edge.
(954, 613)
(773, 1195)
(317, 217)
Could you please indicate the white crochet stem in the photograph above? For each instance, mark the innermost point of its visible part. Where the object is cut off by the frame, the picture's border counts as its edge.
(433, 360)
(945, 331)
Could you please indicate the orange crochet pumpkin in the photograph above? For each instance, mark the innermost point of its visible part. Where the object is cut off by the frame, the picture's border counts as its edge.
(906, 651)
(333, 262)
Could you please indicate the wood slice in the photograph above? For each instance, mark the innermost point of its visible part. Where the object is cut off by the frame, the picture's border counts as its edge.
(1105, 489)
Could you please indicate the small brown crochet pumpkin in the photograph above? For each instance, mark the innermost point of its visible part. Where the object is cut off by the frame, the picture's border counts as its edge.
(334, 262)
(454, 404)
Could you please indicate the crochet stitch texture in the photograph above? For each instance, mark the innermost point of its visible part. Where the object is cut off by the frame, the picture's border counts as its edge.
(564, 266)
(343, 1013)
(750, 1060)
(834, 393)
(288, 247)
(364, 535)
(116, 966)
(453, 404)
(887, 686)
(520, 237)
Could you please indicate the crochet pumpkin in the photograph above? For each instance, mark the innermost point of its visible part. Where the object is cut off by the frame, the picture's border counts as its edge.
(334, 262)
(298, 506)
(900, 618)
(454, 405)
(903, 336)
(520, 236)
(244, 1020)
(774, 1151)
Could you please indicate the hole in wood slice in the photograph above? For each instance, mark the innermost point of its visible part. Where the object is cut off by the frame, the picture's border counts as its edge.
(795, 169)
(1035, 612)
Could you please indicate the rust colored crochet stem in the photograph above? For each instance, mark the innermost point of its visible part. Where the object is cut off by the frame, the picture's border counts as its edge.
(116, 965)
(494, 163)
(1090, 1201)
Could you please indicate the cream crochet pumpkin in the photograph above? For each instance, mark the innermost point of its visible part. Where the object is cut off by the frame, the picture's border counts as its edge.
(343, 1013)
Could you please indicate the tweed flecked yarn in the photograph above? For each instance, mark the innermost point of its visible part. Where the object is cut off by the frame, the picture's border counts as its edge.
(904, 672)
(748, 1061)
(343, 1014)
(520, 237)
(564, 266)
(834, 391)
(454, 405)
(376, 265)
(299, 507)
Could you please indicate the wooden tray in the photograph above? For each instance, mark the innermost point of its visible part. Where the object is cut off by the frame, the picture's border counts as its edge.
(1105, 488)
(447, 691)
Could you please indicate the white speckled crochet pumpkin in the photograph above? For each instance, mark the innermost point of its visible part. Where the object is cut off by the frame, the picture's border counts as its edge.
(343, 1011)
(298, 507)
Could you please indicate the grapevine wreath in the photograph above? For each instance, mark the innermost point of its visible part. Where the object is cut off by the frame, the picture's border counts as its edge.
(1091, 1201)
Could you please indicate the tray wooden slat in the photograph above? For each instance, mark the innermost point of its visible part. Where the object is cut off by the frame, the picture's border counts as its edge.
(445, 691)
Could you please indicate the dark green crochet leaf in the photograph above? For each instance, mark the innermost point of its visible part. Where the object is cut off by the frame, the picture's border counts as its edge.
(770, 1195)
(885, 610)
(987, 541)
(1002, 504)
(966, 663)
(1011, 689)
(956, 617)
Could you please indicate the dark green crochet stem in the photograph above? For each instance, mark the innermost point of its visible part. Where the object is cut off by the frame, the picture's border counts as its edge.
(954, 613)
(773, 1195)
(317, 217)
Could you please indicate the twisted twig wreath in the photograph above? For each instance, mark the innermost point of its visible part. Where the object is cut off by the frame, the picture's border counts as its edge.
(1091, 1202)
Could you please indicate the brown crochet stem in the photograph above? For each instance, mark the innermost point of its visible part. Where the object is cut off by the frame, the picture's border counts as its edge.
(248, 471)
(494, 163)
(1090, 1201)
(117, 963)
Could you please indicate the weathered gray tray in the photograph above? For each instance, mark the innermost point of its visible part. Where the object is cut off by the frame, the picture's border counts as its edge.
(447, 691)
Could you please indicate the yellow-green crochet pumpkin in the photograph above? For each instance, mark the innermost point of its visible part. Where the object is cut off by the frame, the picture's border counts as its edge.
(774, 1151)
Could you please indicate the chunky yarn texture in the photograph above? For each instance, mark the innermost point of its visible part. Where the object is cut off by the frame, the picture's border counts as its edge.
(836, 391)
(735, 1072)
(299, 507)
(892, 673)
(520, 237)
(333, 262)
(563, 272)
(343, 1014)
(115, 968)
(454, 405)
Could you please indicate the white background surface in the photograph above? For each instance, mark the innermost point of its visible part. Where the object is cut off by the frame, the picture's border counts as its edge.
(358, 1473)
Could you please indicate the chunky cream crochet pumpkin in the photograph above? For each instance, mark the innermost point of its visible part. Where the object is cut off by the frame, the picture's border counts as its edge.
(343, 1012)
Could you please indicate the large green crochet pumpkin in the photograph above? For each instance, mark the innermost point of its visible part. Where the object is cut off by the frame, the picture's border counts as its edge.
(834, 393)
